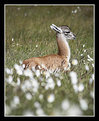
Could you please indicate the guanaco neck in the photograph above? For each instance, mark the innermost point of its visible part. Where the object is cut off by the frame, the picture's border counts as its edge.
(63, 46)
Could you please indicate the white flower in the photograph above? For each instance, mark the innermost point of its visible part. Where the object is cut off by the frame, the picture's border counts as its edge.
(57, 74)
(50, 83)
(12, 39)
(78, 7)
(39, 111)
(31, 85)
(37, 72)
(75, 11)
(90, 81)
(51, 71)
(92, 76)
(74, 62)
(19, 69)
(43, 66)
(61, 77)
(74, 110)
(84, 45)
(37, 105)
(47, 74)
(92, 65)
(73, 76)
(16, 100)
(27, 85)
(28, 113)
(81, 55)
(9, 71)
(23, 66)
(35, 85)
(83, 104)
(28, 96)
(20, 61)
(17, 44)
(36, 45)
(18, 81)
(87, 67)
(9, 79)
(65, 104)
(81, 87)
(51, 98)
(92, 94)
(75, 87)
(58, 83)
(40, 96)
(84, 50)
(72, 11)
(69, 65)
(28, 72)
(33, 69)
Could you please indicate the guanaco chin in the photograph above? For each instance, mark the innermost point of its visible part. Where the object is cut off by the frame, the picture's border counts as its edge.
(58, 61)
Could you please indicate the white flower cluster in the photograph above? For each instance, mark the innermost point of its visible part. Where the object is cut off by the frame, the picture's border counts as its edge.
(28, 113)
(19, 69)
(73, 76)
(9, 71)
(65, 104)
(76, 10)
(77, 87)
(70, 109)
(83, 104)
(74, 110)
(50, 83)
(28, 73)
(39, 110)
(91, 79)
(15, 102)
(30, 85)
(49, 80)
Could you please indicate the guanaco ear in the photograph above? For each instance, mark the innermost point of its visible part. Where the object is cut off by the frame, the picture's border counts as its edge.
(55, 28)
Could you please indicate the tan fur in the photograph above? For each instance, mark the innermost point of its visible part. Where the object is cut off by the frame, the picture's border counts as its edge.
(53, 61)
(63, 47)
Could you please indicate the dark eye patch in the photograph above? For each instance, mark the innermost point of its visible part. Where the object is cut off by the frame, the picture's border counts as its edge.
(68, 32)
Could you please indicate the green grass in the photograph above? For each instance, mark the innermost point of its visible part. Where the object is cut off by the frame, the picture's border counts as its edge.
(30, 26)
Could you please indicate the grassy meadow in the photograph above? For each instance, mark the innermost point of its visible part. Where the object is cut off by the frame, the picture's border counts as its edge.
(28, 34)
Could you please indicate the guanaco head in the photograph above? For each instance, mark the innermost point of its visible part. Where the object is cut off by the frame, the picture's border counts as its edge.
(64, 30)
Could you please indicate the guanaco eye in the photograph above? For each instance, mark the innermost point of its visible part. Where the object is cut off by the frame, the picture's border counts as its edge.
(68, 32)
